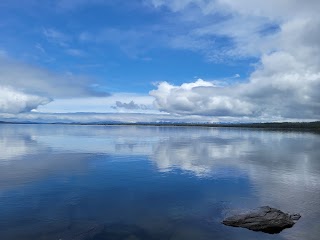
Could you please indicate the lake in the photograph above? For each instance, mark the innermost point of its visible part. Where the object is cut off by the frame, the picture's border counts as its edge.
(150, 183)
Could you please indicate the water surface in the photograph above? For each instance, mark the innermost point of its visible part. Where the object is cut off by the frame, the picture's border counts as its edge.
(134, 182)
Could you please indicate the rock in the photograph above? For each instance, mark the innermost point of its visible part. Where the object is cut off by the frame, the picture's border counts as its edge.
(264, 219)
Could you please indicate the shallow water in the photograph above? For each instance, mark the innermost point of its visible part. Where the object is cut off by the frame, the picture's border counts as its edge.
(134, 182)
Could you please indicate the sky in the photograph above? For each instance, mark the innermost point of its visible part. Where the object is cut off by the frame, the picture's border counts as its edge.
(159, 60)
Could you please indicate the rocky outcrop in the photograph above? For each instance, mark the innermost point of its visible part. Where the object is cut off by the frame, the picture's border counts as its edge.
(264, 219)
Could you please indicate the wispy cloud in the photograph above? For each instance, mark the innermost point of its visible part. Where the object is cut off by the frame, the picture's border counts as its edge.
(40, 48)
(55, 36)
(133, 42)
(76, 52)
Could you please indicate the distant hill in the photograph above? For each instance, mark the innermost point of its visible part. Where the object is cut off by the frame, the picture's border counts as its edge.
(268, 125)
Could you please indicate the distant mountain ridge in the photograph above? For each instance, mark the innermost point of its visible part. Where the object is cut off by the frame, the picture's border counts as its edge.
(267, 125)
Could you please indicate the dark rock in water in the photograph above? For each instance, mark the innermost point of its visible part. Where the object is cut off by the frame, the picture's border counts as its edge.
(264, 219)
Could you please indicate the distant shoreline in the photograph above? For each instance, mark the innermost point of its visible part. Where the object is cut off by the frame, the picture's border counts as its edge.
(314, 126)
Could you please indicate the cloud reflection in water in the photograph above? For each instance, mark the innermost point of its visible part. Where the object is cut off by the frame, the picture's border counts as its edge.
(283, 168)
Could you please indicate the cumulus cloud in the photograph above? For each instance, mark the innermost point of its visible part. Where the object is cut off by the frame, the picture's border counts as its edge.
(199, 98)
(283, 35)
(288, 96)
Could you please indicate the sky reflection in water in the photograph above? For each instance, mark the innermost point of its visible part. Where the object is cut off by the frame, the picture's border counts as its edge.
(96, 182)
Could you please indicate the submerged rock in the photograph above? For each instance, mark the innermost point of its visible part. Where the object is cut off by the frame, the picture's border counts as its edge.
(264, 219)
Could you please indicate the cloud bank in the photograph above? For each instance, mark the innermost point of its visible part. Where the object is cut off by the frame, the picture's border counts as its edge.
(25, 87)
(283, 35)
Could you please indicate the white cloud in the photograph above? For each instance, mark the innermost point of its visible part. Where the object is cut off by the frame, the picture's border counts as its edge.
(24, 87)
(225, 29)
(12, 101)
(268, 94)
(200, 98)
(284, 35)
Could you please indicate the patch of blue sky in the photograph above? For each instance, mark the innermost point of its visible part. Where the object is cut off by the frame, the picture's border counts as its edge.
(269, 29)
(97, 38)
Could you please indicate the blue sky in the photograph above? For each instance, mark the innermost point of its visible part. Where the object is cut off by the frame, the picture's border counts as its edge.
(184, 59)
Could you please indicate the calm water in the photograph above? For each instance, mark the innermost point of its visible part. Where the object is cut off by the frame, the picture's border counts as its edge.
(177, 183)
